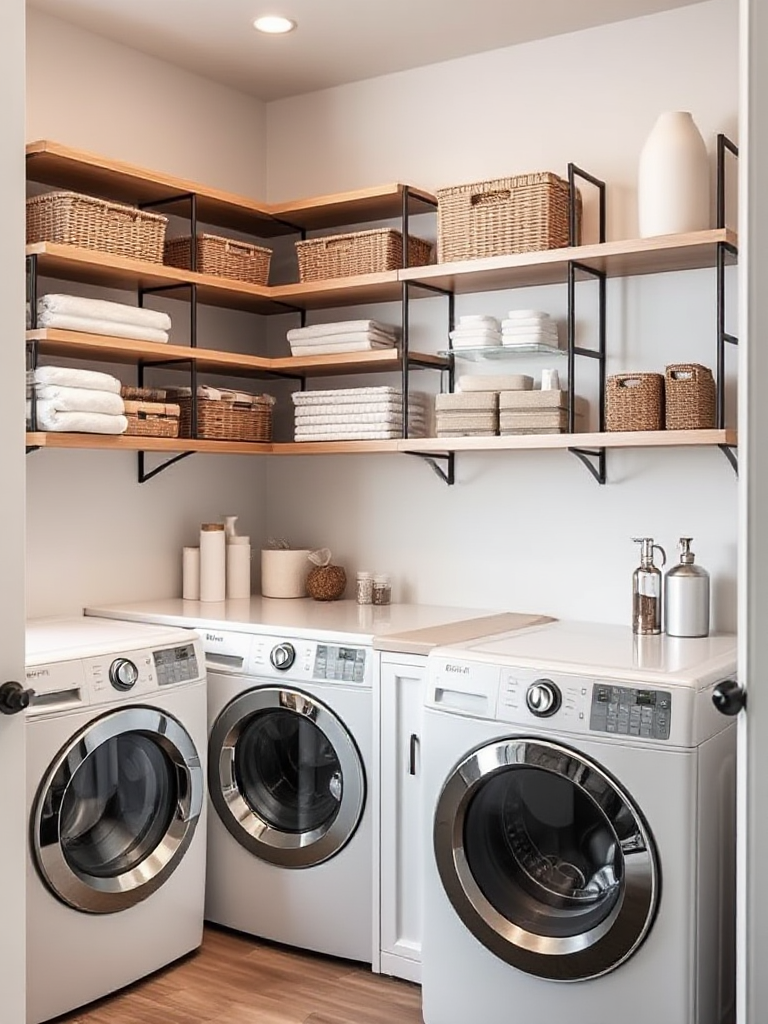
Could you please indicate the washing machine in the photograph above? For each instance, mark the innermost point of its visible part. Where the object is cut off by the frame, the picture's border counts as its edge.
(116, 744)
(580, 803)
(290, 854)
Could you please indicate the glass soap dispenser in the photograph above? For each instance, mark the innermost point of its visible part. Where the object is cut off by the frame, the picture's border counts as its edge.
(646, 589)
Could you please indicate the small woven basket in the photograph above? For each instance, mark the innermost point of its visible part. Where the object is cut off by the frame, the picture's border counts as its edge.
(222, 257)
(223, 420)
(689, 397)
(525, 213)
(634, 401)
(152, 419)
(326, 582)
(358, 252)
(134, 394)
(68, 218)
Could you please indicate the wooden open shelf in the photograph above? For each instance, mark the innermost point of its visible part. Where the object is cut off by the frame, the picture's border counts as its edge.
(422, 445)
(625, 258)
(50, 163)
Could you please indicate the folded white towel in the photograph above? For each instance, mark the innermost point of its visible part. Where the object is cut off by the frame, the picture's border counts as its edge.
(324, 419)
(355, 395)
(358, 408)
(343, 327)
(479, 321)
(49, 418)
(352, 434)
(112, 328)
(71, 377)
(473, 335)
(338, 339)
(338, 347)
(101, 309)
(64, 399)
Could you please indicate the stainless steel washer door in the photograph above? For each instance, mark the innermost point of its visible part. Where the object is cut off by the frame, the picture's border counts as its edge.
(285, 776)
(545, 859)
(117, 809)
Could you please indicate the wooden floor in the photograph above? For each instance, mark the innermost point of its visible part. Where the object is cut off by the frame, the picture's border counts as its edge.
(237, 980)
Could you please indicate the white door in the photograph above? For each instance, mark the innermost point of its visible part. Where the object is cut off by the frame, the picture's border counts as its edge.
(753, 503)
(12, 754)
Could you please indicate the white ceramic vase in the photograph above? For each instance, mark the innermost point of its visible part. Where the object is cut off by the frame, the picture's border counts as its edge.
(673, 178)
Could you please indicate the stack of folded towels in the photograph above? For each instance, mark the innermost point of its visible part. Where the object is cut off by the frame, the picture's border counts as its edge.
(359, 414)
(536, 412)
(75, 401)
(524, 327)
(97, 316)
(476, 332)
(347, 336)
(470, 414)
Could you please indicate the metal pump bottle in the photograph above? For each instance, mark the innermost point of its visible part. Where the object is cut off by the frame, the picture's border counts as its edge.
(686, 596)
(646, 588)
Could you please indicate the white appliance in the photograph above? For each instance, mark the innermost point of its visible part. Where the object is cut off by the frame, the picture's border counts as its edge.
(116, 743)
(579, 797)
(290, 854)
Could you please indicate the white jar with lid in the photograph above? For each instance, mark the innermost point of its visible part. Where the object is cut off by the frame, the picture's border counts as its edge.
(365, 588)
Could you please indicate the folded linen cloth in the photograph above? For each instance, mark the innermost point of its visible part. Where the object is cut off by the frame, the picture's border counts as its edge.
(339, 347)
(64, 399)
(72, 377)
(101, 309)
(354, 434)
(343, 327)
(363, 419)
(479, 321)
(89, 325)
(49, 418)
(343, 395)
(344, 336)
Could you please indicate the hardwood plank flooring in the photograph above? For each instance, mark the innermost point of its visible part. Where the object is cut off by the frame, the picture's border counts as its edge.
(234, 979)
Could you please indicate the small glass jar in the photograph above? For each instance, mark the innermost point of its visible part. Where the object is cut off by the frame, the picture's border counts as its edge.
(382, 589)
(365, 588)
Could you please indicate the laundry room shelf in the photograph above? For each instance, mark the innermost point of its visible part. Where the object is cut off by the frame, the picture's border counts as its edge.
(131, 443)
(613, 439)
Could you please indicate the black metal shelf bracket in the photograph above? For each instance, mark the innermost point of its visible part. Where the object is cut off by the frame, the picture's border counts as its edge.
(594, 460)
(447, 474)
(147, 474)
(731, 453)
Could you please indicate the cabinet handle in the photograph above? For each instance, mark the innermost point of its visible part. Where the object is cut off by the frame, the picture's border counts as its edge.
(413, 746)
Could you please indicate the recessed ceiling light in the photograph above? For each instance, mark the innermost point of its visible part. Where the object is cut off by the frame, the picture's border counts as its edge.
(274, 24)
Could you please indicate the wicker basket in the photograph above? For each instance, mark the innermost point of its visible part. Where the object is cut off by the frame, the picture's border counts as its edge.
(134, 394)
(526, 213)
(634, 401)
(222, 257)
(152, 419)
(358, 252)
(689, 397)
(223, 420)
(68, 218)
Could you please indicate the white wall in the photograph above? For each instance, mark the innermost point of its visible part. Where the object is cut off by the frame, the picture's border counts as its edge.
(94, 534)
(527, 531)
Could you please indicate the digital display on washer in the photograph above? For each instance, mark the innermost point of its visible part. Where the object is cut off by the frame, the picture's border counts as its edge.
(176, 664)
(631, 712)
(346, 664)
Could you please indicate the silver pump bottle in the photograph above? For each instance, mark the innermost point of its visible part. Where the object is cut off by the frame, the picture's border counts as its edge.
(686, 596)
(646, 589)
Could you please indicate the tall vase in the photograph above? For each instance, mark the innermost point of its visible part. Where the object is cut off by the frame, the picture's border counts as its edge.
(673, 178)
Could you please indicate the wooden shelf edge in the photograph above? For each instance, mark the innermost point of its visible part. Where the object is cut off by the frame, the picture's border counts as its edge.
(134, 443)
(532, 442)
(335, 447)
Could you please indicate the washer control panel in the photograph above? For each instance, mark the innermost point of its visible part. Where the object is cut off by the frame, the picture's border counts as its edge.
(343, 664)
(176, 664)
(627, 711)
(297, 660)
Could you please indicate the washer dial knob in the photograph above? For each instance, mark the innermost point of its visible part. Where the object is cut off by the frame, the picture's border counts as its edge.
(283, 656)
(543, 698)
(123, 674)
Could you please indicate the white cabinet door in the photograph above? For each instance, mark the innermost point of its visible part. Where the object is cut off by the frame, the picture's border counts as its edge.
(401, 712)
(12, 753)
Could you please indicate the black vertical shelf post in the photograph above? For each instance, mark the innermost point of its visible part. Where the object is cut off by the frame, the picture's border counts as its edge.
(726, 254)
(32, 346)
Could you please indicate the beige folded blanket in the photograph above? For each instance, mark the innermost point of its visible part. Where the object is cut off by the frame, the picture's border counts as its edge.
(101, 309)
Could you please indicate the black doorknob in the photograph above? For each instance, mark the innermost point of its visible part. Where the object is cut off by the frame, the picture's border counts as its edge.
(729, 697)
(14, 698)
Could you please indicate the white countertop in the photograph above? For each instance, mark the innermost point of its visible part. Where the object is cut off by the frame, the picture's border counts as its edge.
(310, 619)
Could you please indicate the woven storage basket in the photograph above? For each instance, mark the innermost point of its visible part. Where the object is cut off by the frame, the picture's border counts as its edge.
(358, 252)
(68, 218)
(152, 419)
(634, 401)
(526, 213)
(222, 257)
(134, 394)
(689, 397)
(222, 420)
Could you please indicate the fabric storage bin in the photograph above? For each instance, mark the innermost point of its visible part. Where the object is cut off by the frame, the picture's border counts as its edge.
(152, 419)
(525, 213)
(689, 397)
(634, 401)
(358, 252)
(69, 218)
(227, 420)
(221, 257)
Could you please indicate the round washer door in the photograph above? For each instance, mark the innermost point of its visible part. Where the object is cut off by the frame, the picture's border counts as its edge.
(545, 859)
(285, 776)
(117, 809)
